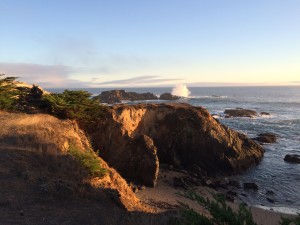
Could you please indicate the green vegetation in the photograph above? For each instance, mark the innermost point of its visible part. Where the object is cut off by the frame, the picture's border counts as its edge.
(8, 92)
(74, 105)
(221, 213)
(89, 161)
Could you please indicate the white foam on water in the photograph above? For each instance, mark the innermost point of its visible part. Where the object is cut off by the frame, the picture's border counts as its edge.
(181, 90)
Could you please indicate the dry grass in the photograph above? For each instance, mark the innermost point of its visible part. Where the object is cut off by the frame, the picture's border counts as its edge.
(39, 132)
(54, 138)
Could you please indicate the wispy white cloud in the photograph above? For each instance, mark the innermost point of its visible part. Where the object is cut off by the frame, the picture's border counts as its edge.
(43, 75)
(140, 80)
(60, 76)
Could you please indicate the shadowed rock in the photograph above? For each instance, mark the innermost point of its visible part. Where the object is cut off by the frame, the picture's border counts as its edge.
(251, 185)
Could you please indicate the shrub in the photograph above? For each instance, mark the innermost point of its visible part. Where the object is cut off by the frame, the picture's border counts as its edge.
(89, 161)
(8, 92)
(221, 213)
(74, 105)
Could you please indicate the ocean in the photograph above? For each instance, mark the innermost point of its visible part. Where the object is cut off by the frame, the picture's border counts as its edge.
(273, 173)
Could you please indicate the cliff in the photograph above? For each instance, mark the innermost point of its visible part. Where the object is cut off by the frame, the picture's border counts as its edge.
(43, 183)
(135, 139)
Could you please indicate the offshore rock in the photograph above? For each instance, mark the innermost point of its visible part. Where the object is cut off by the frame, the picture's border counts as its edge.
(117, 96)
(292, 158)
(168, 96)
(266, 138)
(239, 112)
(134, 139)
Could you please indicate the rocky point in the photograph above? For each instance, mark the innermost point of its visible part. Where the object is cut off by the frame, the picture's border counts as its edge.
(135, 139)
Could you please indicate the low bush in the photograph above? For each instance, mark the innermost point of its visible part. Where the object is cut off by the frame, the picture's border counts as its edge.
(220, 212)
(88, 160)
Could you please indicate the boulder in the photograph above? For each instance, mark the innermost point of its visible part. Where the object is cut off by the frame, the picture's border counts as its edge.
(271, 200)
(266, 138)
(251, 185)
(270, 192)
(117, 96)
(239, 112)
(292, 158)
(134, 139)
(168, 96)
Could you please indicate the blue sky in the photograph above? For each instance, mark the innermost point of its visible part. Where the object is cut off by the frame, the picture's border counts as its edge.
(150, 43)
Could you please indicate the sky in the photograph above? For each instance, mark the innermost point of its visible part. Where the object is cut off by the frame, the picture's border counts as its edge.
(130, 43)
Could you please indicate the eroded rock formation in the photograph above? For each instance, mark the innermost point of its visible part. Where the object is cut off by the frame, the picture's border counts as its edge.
(134, 139)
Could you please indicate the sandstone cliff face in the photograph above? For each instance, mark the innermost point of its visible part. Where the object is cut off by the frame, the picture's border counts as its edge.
(136, 138)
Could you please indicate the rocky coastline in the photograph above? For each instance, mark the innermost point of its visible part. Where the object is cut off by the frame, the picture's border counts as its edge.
(180, 135)
(159, 149)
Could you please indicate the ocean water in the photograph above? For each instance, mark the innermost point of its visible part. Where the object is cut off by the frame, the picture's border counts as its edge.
(273, 173)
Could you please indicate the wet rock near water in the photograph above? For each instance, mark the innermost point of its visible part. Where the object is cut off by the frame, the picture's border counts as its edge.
(270, 192)
(292, 158)
(168, 96)
(234, 183)
(266, 138)
(271, 200)
(240, 112)
(251, 186)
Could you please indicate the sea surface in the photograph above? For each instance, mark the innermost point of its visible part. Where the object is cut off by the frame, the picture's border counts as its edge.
(273, 173)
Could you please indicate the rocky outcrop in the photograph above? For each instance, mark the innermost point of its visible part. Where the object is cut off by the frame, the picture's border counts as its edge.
(292, 158)
(177, 134)
(37, 146)
(168, 96)
(239, 112)
(117, 96)
(266, 138)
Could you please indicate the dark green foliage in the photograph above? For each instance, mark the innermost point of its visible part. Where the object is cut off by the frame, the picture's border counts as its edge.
(89, 161)
(8, 92)
(287, 221)
(74, 105)
(221, 213)
(190, 217)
